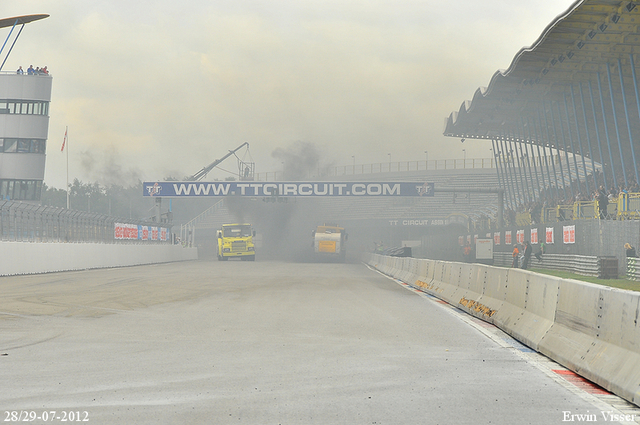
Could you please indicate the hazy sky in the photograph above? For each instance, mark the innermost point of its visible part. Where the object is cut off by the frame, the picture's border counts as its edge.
(151, 89)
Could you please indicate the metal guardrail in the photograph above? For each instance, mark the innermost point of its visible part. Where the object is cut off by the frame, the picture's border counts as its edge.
(390, 167)
(25, 222)
(633, 268)
(584, 265)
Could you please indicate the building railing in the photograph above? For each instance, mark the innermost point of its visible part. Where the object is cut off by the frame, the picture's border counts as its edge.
(389, 167)
(626, 206)
(25, 222)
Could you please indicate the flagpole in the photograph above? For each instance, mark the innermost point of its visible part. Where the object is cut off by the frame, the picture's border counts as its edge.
(65, 143)
(67, 168)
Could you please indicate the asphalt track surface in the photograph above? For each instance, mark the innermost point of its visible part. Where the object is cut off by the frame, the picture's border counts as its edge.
(261, 343)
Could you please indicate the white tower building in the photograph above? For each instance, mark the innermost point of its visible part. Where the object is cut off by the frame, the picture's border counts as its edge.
(24, 124)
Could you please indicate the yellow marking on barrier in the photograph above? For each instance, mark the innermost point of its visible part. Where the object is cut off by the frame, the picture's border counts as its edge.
(477, 307)
(428, 286)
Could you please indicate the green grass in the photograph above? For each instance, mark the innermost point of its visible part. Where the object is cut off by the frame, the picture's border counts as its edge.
(615, 283)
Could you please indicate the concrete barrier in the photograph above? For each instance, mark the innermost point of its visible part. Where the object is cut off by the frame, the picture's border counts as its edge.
(494, 294)
(596, 335)
(590, 329)
(445, 273)
(528, 310)
(30, 257)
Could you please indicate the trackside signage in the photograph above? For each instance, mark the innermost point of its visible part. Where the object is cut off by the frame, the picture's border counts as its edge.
(309, 189)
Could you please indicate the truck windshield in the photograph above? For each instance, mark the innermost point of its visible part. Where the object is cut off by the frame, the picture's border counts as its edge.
(237, 231)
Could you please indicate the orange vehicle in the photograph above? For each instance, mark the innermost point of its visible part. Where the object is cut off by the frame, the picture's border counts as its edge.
(330, 240)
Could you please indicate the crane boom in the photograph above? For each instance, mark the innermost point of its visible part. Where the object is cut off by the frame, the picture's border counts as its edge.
(202, 173)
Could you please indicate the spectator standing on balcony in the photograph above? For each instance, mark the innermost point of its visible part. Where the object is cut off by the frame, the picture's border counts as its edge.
(515, 254)
(603, 201)
(30, 70)
(20, 71)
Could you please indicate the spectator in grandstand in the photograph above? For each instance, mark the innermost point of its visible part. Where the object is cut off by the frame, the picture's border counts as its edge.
(527, 255)
(536, 212)
(631, 251)
(515, 254)
(603, 201)
(540, 253)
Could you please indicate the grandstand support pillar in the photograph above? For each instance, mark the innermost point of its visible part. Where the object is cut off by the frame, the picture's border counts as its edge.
(615, 124)
(546, 185)
(557, 140)
(522, 168)
(573, 150)
(606, 132)
(515, 189)
(595, 124)
(626, 115)
(500, 208)
(586, 129)
(553, 164)
(532, 158)
(635, 86)
(517, 172)
(526, 161)
(509, 174)
(566, 149)
(496, 156)
(575, 117)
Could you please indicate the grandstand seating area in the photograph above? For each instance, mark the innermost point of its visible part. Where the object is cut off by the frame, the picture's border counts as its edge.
(477, 206)
(463, 199)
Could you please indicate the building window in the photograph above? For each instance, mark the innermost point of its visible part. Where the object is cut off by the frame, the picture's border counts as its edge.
(24, 107)
(9, 145)
(21, 190)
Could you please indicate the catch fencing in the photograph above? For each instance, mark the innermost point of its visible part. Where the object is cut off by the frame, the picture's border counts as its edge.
(25, 222)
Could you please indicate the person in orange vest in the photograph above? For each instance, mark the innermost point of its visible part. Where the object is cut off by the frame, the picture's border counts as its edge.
(467, 252)
(515, 255)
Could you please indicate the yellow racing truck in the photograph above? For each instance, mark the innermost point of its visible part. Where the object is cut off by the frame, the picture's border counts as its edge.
(236, 241)
(329, 241)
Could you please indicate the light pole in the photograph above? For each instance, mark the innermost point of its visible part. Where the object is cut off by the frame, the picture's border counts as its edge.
(389, 162)
(354, 163)
(464, 158)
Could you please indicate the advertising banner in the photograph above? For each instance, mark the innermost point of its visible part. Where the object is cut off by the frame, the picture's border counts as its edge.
(549, 239)
(123, 231)
(308, 189)
(569, 234)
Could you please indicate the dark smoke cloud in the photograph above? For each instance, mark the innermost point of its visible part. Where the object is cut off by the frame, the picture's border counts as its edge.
(300, 160)
(106, 169)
